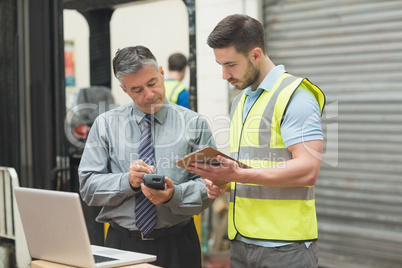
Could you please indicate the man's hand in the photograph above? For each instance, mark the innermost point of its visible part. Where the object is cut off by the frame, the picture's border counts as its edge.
(227, 171)
(137, 171)
(159, 196)
(214, 191)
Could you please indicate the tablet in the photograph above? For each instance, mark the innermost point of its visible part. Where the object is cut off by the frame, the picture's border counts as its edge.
(206, 155)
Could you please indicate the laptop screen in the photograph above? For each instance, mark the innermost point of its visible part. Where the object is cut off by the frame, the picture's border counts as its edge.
(55, 230)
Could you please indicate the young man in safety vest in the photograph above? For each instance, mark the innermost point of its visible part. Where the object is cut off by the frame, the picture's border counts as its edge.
(176, 92)
(275, 129)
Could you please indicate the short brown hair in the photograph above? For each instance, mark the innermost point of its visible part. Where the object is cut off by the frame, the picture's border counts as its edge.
(241, 31)
(177, 62)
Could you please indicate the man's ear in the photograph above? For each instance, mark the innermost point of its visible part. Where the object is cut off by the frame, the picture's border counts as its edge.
(122, 87)
(256, 54)
(161, 70)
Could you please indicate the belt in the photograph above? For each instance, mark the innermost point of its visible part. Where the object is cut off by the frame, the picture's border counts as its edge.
(155, 234)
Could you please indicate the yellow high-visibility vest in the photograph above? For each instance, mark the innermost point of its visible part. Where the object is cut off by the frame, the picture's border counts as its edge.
(261, 212)
(173, 88)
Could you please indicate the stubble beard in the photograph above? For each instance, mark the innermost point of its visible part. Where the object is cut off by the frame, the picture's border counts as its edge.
(249, 78)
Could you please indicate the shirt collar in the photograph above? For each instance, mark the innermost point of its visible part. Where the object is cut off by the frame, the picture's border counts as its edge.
(159, 115)
(269, 81)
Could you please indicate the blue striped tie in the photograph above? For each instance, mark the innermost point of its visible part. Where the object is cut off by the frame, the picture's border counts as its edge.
(145, 210)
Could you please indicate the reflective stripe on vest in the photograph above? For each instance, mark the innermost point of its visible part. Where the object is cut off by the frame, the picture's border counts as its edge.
(261, 212)
(173, 88)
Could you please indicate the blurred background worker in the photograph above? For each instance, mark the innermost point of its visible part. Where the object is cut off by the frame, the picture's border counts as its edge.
(176, 92)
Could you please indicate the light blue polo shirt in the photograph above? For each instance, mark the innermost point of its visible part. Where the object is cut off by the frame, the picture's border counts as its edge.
(302, 123)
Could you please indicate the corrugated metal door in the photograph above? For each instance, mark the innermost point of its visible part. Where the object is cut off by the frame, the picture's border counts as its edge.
(353, 51)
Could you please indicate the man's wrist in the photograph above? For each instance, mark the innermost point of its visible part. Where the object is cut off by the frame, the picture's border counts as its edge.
(135, 189)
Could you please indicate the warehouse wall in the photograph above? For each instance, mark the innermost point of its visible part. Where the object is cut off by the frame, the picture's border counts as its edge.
(353, 51)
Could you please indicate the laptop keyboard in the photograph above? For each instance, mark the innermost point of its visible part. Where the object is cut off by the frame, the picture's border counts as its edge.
(99, 259)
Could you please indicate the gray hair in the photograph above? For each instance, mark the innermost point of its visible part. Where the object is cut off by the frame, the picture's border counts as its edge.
(131, 60)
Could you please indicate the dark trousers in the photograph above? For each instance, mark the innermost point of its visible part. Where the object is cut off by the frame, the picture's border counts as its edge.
(180, 250)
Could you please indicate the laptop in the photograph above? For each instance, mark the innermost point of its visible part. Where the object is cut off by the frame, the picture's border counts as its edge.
(55, 230)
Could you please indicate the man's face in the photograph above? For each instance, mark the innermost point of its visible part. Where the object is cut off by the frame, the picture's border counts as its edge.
(237, 69)
(146, 88)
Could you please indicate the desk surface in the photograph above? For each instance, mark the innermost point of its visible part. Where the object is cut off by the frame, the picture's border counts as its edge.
(47, 264)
